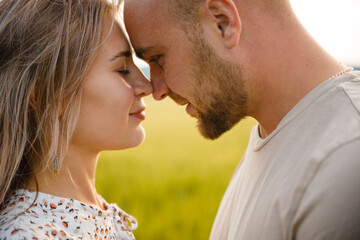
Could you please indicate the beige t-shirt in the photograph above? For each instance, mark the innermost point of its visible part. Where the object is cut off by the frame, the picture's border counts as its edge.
(303, 181)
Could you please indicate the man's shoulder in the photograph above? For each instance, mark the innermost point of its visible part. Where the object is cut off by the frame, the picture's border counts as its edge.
(333, 119)
(330, 206)
(351, 88)
(341, 164)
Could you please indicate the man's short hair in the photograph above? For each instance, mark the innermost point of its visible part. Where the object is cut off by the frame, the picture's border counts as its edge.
(186, 12)
(189, 12)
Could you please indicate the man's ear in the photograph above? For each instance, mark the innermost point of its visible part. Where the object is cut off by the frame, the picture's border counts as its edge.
(224, 14)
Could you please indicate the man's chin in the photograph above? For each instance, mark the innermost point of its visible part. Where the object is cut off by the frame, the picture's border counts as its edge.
(213, 128)
(209, 130)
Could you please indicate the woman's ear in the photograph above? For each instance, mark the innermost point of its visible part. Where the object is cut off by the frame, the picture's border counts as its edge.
(225, 17)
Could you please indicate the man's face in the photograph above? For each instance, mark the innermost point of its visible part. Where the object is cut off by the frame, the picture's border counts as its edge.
(185, 67)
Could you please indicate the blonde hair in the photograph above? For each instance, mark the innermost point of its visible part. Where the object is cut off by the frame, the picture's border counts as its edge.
(47, 48)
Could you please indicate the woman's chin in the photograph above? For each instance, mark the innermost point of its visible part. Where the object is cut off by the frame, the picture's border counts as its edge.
(115, 141)
(134, 140)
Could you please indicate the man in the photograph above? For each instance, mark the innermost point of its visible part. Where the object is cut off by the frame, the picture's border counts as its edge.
(227, 59)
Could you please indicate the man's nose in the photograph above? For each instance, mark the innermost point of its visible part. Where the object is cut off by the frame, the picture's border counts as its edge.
(160, 88)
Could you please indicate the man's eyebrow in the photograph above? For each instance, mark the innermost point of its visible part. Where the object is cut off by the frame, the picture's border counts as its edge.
(126, 53)
(142, 51)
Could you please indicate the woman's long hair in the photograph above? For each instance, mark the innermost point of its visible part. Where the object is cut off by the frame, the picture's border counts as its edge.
(46, 49)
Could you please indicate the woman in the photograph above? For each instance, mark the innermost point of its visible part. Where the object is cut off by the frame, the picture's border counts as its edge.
(68, 90)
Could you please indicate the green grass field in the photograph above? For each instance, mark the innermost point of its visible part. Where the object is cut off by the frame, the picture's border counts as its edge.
(173, 183)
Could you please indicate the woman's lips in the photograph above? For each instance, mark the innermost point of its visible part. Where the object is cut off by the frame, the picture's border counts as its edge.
(140, 114)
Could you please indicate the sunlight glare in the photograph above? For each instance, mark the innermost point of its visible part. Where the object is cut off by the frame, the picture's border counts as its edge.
(334, 24)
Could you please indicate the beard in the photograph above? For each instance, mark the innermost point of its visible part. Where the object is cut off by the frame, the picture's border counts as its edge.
(219, 94)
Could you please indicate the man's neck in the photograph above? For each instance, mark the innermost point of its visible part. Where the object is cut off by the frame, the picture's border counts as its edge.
(286, 64)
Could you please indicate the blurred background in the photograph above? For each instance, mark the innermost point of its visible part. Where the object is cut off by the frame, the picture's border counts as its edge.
(174, 182)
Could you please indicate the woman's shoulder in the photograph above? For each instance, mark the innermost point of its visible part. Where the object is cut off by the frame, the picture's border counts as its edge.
(16, 220)
(19, 229)
(29, 215)
(29, 227)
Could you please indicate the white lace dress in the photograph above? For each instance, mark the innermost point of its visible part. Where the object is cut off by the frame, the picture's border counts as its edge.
(51, 217)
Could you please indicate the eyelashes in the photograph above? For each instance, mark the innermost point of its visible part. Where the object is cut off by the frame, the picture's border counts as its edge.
(121, 66)
(123, 72)
(155, 60)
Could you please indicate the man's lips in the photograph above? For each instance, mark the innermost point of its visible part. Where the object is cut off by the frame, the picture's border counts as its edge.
(191, 110)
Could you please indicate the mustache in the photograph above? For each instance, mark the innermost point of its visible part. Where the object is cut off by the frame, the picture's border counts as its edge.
(177, 98)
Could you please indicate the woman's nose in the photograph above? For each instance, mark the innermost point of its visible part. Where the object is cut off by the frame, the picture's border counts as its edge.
(142, 86)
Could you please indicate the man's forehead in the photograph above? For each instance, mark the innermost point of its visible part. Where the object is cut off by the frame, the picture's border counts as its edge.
(146, 12)
(146, 5)
(146, 25)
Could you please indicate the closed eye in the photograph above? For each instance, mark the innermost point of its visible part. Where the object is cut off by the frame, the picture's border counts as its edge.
(124, 72)
(155, 60)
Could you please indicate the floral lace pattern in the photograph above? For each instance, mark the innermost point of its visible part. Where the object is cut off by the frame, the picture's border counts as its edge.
(51, 217)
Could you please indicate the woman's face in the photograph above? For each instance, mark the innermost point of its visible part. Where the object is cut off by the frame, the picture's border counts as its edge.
(112, 107)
